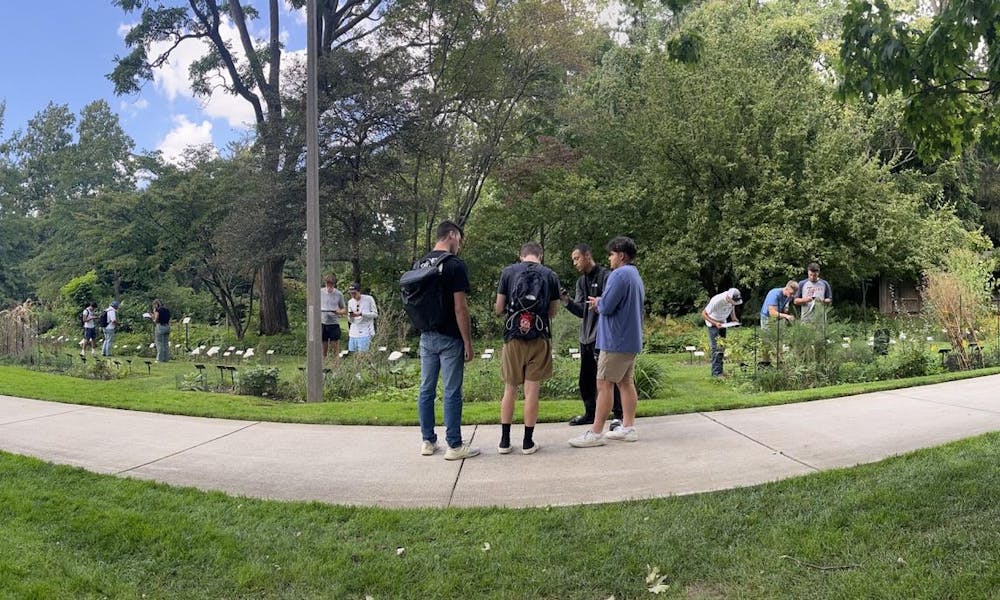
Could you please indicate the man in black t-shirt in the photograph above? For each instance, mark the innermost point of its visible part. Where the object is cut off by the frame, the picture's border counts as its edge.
(527, 346)
(445, 350)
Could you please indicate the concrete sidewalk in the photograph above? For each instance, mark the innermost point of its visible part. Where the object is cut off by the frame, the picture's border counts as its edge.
(382, 466)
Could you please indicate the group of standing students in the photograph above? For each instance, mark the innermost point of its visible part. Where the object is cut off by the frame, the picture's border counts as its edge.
(107, 321)
(610, 304)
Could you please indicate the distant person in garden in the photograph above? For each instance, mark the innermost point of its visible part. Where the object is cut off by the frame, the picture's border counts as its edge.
(718, 315)
(591, 282)
(775, 308)
(361, 314)
(776, 304)
(161, 325)
(527, 298)
(109, 321)
(332, 306)
(814, 295)
(447, 347)
(619, 338)
(89, 318)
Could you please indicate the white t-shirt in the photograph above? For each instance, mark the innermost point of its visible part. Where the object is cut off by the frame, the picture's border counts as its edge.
(89, 319)
(112, 317)
(719, 308)
(363, 326)
(328, 303)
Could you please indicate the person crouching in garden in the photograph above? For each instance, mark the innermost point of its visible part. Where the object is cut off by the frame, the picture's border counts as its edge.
(721, 310)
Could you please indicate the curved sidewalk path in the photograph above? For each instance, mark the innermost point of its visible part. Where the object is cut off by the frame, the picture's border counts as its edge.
(382, 466)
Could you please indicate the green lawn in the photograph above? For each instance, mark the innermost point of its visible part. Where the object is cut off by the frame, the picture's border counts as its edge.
(919, 526)
(688, 388)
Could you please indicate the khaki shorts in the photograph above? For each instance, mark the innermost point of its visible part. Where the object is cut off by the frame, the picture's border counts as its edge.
(616, 367)
(526, 360)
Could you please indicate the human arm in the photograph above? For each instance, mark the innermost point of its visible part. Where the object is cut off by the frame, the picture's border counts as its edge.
(772, 310)
(501, 304)
(709, 319)
(464, 322)
(369, 311)
(578, 305)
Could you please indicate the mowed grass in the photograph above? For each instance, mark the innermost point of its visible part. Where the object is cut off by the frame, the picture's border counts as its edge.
(919, 526)
(687, 388)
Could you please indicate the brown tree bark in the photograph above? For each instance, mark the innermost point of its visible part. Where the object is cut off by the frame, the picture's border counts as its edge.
(273, 316)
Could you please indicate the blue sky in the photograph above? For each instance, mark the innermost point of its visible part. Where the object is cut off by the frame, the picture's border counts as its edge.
(61, 51)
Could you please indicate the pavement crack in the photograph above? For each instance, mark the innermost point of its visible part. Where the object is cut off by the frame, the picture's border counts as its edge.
(183, 450)
(760, 443)
(39, 417)
(454, 485)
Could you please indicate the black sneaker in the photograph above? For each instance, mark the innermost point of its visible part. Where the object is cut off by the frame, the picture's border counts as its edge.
(581, 420)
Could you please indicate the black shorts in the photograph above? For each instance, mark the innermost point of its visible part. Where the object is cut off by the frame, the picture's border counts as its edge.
(90, 333)
(331, 332)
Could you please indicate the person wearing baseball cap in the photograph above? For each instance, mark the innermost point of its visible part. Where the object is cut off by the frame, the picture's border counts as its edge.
(361, 314)
(719, 315)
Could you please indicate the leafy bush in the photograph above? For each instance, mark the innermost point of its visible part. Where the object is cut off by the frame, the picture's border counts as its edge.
(257, 380)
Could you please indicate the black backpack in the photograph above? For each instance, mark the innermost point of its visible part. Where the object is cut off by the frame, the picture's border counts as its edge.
(422, 292)
(103, 319)
(527, 303)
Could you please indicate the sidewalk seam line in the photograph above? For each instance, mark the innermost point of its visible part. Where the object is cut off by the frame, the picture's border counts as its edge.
(65, 412)
(941, 403)
(454, 485)
(758, 442)
(183, 450)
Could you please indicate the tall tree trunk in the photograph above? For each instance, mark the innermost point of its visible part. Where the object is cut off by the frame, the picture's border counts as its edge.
(273, 314)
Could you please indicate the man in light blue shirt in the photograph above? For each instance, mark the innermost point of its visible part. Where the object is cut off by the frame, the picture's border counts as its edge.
(776, 303)
(619, 338)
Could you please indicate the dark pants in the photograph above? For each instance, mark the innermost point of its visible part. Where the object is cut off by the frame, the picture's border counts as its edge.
(588, 383)
(714, 333)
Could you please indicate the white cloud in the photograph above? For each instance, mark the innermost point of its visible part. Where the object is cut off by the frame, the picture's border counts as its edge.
(132, 109)
(172, 79)
(184, 135)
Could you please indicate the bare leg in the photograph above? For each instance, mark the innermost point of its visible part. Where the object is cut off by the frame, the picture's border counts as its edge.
(507, 403)
(630, 399)
(531, 393)
(605, 396)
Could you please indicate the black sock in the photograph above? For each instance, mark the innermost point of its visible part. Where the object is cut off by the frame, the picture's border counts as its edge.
(505, 435)
(528, 431)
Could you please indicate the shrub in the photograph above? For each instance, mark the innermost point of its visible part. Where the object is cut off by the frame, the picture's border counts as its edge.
(257, 380)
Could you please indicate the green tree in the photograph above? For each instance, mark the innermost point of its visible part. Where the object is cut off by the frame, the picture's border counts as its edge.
(252, 70)
(944, 58)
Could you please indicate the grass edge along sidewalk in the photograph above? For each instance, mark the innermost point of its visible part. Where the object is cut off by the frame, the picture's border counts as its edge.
(915, 526)
(686, 390)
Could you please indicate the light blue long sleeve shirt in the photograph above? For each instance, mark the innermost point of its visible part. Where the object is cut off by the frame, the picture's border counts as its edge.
(619, 325)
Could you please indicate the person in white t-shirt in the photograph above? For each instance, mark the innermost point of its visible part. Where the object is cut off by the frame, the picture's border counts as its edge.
(721, 310)
(89, 318)
(361, 313)
(109, 329)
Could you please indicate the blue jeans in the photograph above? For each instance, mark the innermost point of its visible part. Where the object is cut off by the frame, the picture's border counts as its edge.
(714, 333)
(109, 338)
(442, 354)
(162, 343)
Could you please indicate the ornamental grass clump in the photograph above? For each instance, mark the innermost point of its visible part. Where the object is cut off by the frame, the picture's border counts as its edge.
(957, 298)
(17, 336)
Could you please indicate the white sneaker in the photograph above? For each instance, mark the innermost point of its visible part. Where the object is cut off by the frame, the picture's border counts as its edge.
(615, 424)
(503, 449)
(460, 453)
(625, 434)
(428, 448)
(535, 448)
(588, 439)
